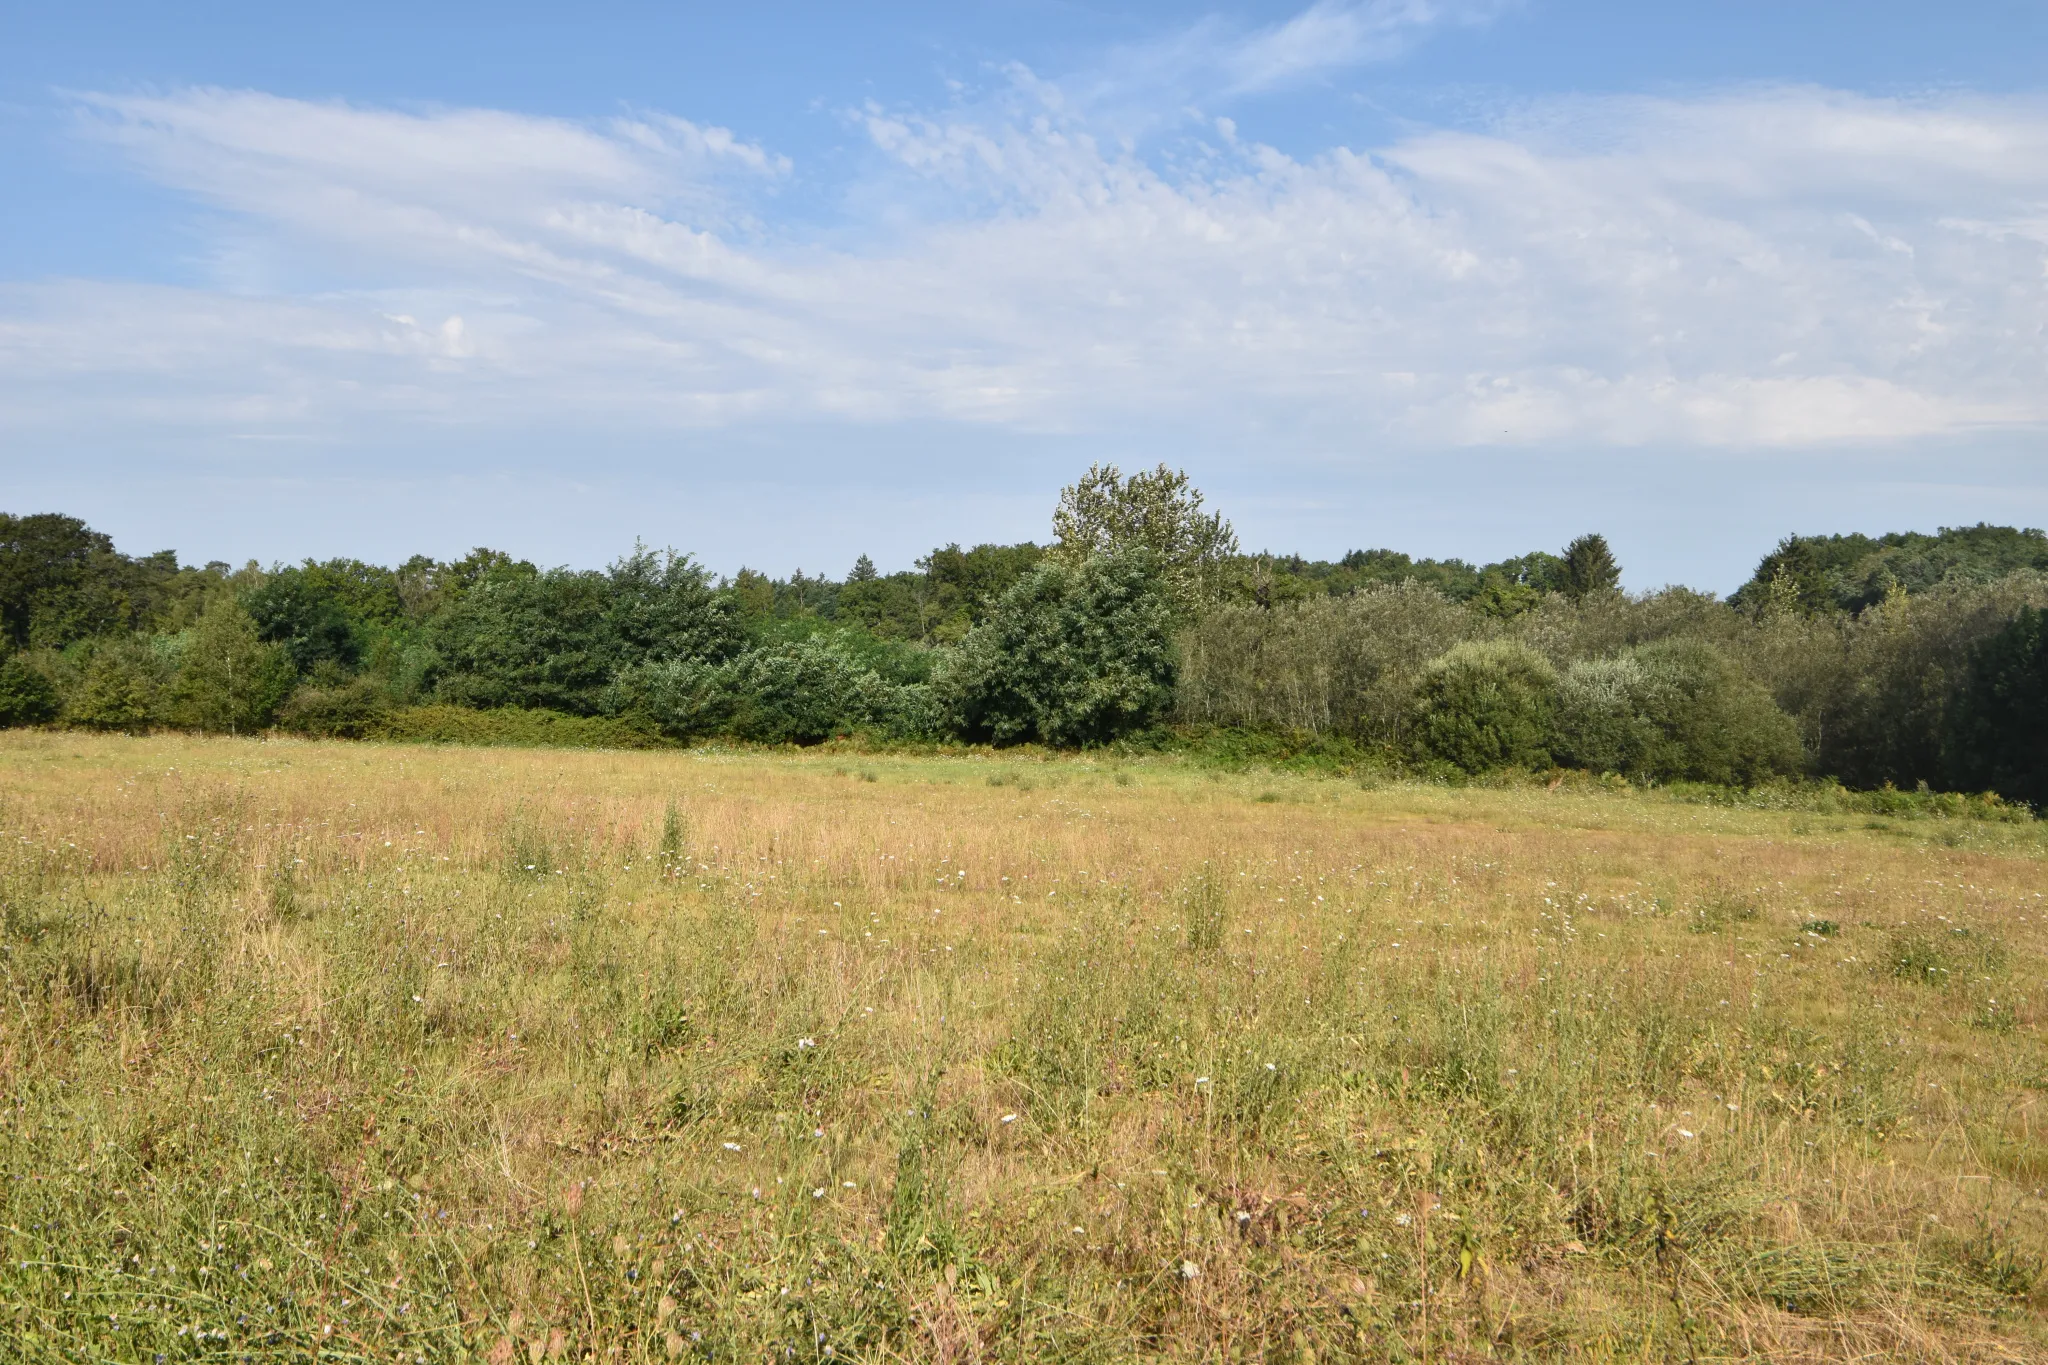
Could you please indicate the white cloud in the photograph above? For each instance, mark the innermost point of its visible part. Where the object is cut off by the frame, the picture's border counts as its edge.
(1769, 267)
(1331, 36)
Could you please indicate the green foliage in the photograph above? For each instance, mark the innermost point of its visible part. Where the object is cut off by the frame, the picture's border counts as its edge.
(1588, 567)
(1485, 705)
(1903, 661)
(512, 726)
(1069, 656)
(1878, 694)
(353, 710)
(556, 639)
(1854, 572)
(228, 680)
(799, 694)
(118, 691)
(1678, 709)
(1346, 665)
(295, 609)
(1107, 514)
(950, 592)
(62, 581)
(1998, 729)
(1514, 587)
(27, 694)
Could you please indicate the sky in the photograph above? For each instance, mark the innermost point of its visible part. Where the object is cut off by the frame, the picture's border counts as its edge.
(786, 283)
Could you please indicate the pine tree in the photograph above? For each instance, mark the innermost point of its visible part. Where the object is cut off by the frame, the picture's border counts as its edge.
(1589, 568)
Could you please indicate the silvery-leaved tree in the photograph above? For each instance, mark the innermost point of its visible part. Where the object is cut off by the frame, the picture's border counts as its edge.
(1106, 513)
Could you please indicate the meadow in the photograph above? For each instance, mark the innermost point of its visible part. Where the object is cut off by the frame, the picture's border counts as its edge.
(320, 1050)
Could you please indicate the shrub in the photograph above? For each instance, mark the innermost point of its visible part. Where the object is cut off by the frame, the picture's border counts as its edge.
(557, 640)
(512, 725)
(353, 710)
(118, 691)
(803, 692)
(1603, 718)
(1678, 709)
(1067, 657)
(27, 696)
(1998, 731)
(228, 679)
(1344, 664)
(1722, 725)
(1486, 705)
(798, 694)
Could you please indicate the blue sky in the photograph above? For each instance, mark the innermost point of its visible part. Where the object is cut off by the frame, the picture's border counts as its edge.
(785, 283)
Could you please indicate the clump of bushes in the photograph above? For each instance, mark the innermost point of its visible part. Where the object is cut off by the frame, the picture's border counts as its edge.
(803, 692)
(1675, 710)
(28, 695)
(1069, 656)
(1484, 705)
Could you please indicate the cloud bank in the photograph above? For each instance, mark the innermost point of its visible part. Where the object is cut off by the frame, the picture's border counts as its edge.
(1760, 268)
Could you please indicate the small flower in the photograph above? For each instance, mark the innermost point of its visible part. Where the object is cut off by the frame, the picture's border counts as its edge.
(818, 1193)
(803, 1043)
(1009, 1118)
(731, 1146)
(1190, 1271)
(1403, 1219)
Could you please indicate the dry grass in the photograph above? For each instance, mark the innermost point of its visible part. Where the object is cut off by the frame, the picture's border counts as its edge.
(413, 1054)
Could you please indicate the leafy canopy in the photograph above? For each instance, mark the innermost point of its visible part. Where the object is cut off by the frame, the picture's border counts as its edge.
(1069, 656)
(1160, 512)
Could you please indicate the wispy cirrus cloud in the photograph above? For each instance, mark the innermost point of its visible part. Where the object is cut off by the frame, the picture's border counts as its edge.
(1762, 267)
(1142, 87)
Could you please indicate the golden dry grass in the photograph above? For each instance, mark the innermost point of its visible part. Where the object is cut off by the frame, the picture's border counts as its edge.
(430, 1054)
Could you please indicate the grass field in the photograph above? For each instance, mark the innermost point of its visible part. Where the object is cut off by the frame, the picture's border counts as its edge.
(418, 1054)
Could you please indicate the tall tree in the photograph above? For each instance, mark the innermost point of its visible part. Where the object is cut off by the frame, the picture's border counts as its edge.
(1068, 656)
(1159, 511)
(230, 681)
(60, 581)
(1588, 568)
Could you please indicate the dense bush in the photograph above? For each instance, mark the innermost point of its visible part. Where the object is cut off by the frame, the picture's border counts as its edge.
(513, 726)
(557, 639)
(118, 688)
(1679, 709)
(228, 680)
(353, 710)
(1346, 665)
(1486, 704)
(1998, 730)
(1068, 656)
(28, 696)
(1873, 693)
(799, 692)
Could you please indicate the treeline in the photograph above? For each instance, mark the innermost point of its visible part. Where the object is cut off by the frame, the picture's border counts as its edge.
(1911, 660)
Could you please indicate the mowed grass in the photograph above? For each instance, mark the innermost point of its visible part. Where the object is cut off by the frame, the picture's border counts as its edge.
(399, 1053)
